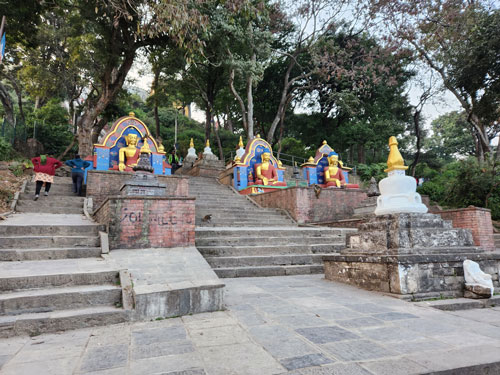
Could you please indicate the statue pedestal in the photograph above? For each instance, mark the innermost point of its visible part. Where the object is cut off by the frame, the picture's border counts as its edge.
(413, 255)
(143, 184)
(207, 167)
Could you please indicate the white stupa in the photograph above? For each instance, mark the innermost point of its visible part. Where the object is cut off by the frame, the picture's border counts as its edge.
(398, 191)
(207, 152)
(191, 155)
(241, 151)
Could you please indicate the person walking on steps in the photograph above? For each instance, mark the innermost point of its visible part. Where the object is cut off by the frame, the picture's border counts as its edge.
(173, 160)
(77, 172)
(45, 170)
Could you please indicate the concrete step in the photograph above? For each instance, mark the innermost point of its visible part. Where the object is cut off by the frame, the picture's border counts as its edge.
(255, 224)
(48, 202)
(37, 242)
(53, 230)
(62, 298)
(268, 271)
(268, 250)
(227, 205)
(38, 323)
(49, 209)
(264, 232)
(228, 214)
(243, 222)
(428, 222)
(12, 283)
(52, 198)
(275, 241)
(270, 260)
(8, 255)
(496, 237)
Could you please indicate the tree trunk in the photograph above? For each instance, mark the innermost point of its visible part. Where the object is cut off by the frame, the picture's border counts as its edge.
(229, 121)
(416, 122)
(280, 138)
(208, 121)
(498, 150)
(250, 134)
(361, 153)
(240, 101)
(155, 109)
(219, 144)
(8, 107)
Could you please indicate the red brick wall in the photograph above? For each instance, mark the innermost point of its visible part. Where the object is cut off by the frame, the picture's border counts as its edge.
(102, 184)
(304, 207)
(477, 219)
(146, 222)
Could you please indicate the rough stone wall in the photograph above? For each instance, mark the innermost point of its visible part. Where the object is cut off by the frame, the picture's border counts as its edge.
(102, 184)
(305, 207)
(148, 222)
(441, 275)
(477, 219)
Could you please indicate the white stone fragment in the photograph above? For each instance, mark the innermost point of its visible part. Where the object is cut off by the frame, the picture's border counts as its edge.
(474, 276)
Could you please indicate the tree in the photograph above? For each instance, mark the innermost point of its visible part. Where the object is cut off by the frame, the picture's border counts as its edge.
(459, 40)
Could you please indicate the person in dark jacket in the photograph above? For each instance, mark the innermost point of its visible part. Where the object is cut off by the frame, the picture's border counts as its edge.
(173, 160)
(77, 172)
(45, 170)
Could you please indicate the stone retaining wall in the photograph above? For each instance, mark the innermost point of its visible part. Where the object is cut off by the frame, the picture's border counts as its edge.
(303, 205)
(102, 184)
(148, 222)
(477, 220)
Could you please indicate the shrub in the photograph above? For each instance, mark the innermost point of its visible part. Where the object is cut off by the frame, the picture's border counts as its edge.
(6, 150)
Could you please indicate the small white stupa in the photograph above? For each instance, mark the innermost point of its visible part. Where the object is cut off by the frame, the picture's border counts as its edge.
(191, 155)
(241, 151)
(207, 152)
(398, 191)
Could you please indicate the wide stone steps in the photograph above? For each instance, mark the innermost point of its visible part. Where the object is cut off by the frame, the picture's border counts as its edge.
(37, 242)
(214, 222)
(62, 298)
(60, 320)
(496, 236)
(55, 230)
(272, 240)
(262, 232)
(55, 188)
(268, 271)
(32, 207)
(268, 250)
(10, 255)
(261, 260)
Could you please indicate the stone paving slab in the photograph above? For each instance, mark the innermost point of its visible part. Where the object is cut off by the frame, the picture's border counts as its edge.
(365, 334)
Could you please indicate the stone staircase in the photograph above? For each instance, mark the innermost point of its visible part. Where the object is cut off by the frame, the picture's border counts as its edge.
(243, 240)
(61, 199)
(496, 236)
(52, 275)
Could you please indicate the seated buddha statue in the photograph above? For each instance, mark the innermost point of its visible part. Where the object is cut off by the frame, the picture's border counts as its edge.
(265, 172)
(129, 155)
(333, 174)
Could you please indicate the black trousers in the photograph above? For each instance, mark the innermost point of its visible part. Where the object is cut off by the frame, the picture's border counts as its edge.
(77, 182)
(39, 187)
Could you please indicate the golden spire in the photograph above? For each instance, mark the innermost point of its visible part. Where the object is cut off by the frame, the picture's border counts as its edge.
(241, 142)
(258, 135)
(145, 147)
(208, 143)
(310, 160)
(191, 144)
(161, 149)
(131, 114)
(324, 142)
(395, 160)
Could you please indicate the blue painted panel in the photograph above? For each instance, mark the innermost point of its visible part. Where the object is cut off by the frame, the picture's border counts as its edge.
(157, 163)
(242, 182)
(102, 162)
(281, 175)
(313, 177)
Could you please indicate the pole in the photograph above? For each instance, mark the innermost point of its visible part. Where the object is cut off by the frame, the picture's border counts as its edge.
(3, 126)
(175, 132)
(34, 129)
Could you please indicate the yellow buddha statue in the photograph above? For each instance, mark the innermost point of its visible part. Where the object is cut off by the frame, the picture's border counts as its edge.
(333, 174)
(266, 173)
(128, 155)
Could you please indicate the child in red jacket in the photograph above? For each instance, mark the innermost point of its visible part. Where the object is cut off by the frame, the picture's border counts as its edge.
(45, 170)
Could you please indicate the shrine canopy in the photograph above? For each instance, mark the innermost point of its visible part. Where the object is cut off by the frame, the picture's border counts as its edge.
(106, 153)
(313, 169)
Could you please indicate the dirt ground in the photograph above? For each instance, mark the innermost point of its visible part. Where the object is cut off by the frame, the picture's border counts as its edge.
(9, 184)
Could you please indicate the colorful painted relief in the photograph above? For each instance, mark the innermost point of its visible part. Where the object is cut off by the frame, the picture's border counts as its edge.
(327, 170)
(257, 170)
(121, 147)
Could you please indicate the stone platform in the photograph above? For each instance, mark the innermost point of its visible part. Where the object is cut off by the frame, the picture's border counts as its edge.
(169, 282)
(413, 255)
(294, 325)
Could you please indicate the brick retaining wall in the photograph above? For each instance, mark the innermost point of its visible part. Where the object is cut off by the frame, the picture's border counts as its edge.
(477, 220)
(305, 207)
(148, 222)
(101, 184)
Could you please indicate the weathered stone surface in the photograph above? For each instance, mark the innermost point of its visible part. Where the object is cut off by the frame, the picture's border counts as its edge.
(477, 291)
(477, 283)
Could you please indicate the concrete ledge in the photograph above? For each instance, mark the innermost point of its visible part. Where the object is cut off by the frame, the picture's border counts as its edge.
(456, 304)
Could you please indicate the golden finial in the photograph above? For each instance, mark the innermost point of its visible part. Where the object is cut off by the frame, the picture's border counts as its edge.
(237, 159)
(280, 164)
(145, 147)
(191, 144)
(161, 149)
(208, 143)
(324, 142)
(131, 114)
(310, 160)
(395, 160)
(241, 142)
(258, 135)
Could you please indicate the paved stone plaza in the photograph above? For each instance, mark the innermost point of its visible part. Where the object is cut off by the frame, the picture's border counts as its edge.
(276, 325)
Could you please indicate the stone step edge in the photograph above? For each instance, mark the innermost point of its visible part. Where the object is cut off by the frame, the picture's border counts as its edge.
(47, 237)
(34, 324)
(41, 292)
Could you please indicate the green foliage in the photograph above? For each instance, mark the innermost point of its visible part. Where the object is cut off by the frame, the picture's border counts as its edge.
(6, 150)
(17, 167)
(52, 128)
(367, 171)
(464, 183)
(293, 147)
